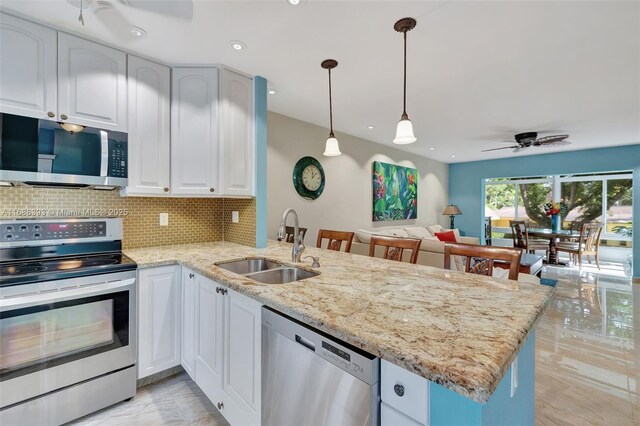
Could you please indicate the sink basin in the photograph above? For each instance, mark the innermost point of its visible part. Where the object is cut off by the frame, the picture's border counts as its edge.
(282, 275)
(249, 266)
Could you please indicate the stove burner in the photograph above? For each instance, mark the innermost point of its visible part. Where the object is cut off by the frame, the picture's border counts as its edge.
(21, 269)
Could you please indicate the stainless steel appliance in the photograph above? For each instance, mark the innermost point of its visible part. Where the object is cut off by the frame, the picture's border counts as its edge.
(67, 319)
(309, 378)
(43, 152)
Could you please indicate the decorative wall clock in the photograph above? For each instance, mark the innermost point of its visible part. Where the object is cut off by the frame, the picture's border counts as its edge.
(308, 178)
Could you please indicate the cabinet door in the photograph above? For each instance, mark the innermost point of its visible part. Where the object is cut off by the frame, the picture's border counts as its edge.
(28, 63)
(92, 84)
(242, 365)
(189, 326)
(149, 127)
(238, 136)
(194, 131)
(209, 338)
(158, 319)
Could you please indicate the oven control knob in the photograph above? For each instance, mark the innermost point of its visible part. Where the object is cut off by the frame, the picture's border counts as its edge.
(36, 227)
(23, 227)
(8, 228)
(36, 235)
(8, 236)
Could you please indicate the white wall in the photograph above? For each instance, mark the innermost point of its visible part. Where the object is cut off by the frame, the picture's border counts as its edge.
(346, 202)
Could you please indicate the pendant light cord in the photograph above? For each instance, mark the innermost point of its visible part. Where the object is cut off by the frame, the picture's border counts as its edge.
(330, 107)
(404, 99)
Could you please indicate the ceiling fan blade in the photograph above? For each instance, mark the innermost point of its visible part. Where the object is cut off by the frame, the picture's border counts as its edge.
(552, 143)
(495, 149)
(550, 139)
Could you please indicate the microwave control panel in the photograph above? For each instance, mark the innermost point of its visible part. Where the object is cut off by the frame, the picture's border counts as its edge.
(33, 231)
(117, 159)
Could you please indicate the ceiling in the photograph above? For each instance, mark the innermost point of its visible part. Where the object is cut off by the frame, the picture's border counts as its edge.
(479, 71)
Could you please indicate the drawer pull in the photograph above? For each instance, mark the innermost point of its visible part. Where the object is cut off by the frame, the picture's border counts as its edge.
(399, 390)
(166, 189)
(63, 116)
(191, 275)
(220, 405)
(51, 114)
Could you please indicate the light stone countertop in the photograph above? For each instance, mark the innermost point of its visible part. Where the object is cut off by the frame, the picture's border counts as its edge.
(459, 330)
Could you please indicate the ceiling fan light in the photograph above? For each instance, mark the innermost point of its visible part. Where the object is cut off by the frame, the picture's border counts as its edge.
(332, 149)
(404, 132)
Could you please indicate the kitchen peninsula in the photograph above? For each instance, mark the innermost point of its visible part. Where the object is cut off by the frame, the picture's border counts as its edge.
(461, 332)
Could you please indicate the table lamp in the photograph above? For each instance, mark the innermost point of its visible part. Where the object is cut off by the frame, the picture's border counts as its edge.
(452, 211)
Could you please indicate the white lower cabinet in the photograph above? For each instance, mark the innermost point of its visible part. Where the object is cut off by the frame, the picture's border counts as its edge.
(405, 396)
(159, 310)
(189, 317)
(242, 359)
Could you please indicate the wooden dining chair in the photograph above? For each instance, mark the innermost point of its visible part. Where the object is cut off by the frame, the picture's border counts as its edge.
(336, 238)
(394, 247)
(487, 255)
(521, 240)
(289, 231)
(588, 244)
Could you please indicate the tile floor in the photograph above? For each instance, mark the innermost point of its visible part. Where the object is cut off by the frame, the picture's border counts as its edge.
(587, 362)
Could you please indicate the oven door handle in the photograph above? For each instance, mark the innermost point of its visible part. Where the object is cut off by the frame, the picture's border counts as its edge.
(18, 302)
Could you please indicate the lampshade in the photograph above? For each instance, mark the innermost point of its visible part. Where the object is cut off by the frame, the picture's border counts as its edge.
(332, 149)
(404, 132)
(451, 210)
(72, 128)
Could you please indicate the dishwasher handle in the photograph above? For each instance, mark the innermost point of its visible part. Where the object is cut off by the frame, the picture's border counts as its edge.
(306, 343)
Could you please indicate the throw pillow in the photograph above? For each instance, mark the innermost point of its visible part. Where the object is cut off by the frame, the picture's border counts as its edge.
(418, 232)
(447, 237)
(435, 228)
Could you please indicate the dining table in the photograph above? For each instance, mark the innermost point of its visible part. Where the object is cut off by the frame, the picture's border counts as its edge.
(553, 237)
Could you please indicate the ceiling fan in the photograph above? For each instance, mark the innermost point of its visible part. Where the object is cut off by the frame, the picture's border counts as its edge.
(529, 139)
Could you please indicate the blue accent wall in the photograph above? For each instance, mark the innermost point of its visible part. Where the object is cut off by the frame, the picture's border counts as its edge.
(260, 91)
(466, 187)
(448, 408)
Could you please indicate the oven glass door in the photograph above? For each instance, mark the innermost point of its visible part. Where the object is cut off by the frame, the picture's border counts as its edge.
(44, 336)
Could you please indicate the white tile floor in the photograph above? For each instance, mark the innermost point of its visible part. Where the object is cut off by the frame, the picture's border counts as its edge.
(587, 362)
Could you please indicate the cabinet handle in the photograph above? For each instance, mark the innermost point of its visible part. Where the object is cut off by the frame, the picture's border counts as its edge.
(399, 390)
(63, 116)
(191, 275)
(51, 114)
(220, 405)
(166, 189)
(218, 290)
(211, 189)
(221, 291)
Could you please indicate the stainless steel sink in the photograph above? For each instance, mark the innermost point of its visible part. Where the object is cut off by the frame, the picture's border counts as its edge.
(249, 266)
(282, 275)
(266, 271)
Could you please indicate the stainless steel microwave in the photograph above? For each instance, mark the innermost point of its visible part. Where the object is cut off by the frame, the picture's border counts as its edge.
(42, 153)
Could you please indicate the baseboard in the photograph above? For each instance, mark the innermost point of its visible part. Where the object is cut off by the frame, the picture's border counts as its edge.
(159, 376)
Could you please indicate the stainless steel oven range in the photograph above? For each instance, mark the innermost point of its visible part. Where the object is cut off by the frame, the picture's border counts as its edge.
(67, 319)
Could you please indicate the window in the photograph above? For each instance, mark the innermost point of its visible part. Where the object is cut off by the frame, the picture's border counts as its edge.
(605, 198)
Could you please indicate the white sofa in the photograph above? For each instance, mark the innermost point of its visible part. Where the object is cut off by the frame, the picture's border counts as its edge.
(431, 249)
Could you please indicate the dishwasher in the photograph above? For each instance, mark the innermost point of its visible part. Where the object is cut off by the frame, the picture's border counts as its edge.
(310, 378)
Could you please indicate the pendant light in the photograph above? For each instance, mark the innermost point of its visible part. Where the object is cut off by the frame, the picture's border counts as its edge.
(331, 149)
(404, 131)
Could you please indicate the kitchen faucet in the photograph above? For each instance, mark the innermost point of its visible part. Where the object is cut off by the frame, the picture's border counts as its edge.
(298, 246)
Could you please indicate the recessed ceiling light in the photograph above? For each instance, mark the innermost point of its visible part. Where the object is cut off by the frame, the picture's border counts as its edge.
(294, 2)
(237, 45)
(271, 92)
(453, 156)
(371, 126)
(138, 32)
(432, 148)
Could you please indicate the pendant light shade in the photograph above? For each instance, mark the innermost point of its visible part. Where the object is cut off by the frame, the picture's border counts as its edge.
(331, 148)
(404, 131)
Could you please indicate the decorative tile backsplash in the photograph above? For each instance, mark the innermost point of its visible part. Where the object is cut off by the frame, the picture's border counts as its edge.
(191, 220)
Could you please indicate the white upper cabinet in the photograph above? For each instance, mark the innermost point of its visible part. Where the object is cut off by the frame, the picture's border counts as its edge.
(149, 127)
(194, 132)
(28, 61)
(92, 84)
(238, 136)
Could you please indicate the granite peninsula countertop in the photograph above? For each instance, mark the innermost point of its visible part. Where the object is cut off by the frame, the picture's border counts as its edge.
(459, 330)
